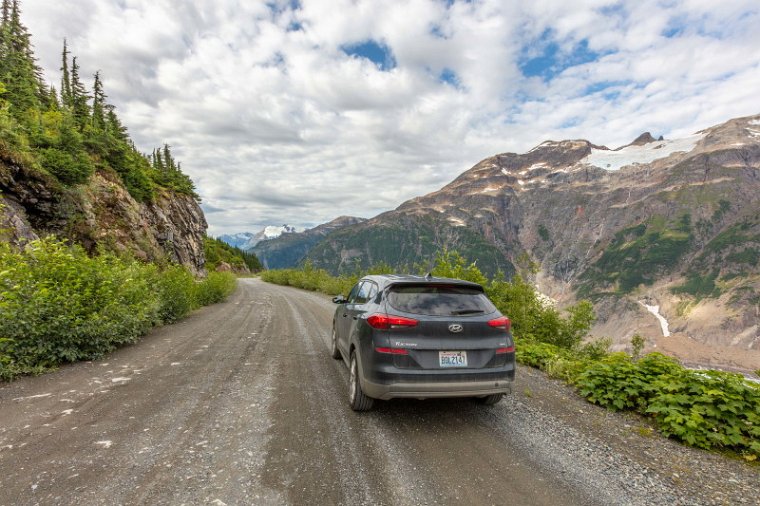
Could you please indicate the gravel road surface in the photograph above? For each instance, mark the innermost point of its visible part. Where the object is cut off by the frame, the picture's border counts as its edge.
(241, 404)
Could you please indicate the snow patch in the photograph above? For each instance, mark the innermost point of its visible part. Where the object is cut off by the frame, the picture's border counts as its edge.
(119, 380)
(539, 165)
(504, 171)
(521, 182)
(655, 310)
(104, 444)
(754, 122)
(753, 133)
(489, 189)
(456, 222)
(629, 155)
(67, 411)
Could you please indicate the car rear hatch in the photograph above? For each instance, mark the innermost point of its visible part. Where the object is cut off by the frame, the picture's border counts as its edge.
(442, 327)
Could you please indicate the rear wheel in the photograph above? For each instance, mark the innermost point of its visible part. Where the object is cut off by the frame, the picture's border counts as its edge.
(335, 352)
(490, 400)
(357, 399)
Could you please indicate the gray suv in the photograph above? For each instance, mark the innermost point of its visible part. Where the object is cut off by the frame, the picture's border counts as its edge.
(421, 337)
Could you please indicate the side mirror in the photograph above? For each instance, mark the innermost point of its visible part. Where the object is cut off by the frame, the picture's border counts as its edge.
(339, 299)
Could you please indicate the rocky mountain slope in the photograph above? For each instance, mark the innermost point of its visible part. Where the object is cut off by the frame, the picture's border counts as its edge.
(290, 247)
(668, 223)
(101, 213)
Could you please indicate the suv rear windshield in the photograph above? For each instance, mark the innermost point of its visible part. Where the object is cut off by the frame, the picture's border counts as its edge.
(439, 300)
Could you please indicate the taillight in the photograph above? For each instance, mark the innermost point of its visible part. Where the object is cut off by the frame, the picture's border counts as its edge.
(501, 323)
(502, 351)
(385, 322)
(392, 351)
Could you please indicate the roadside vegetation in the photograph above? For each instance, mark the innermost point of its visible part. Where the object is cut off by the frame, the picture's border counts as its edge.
(217, 251)
(58, 305)
(712, 410)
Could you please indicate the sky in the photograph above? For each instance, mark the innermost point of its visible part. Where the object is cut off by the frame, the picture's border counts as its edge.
(299, 112)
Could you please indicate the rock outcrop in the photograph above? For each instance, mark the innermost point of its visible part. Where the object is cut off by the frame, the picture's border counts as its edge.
(101, 213)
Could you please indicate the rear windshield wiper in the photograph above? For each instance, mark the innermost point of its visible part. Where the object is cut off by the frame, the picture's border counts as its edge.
(467, 311)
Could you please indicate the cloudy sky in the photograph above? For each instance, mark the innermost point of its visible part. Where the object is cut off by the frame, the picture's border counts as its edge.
(298, 112)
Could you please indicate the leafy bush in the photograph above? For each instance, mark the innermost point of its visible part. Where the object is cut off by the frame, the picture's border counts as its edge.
(309, 278)
(215, 288)
(176, 289)
(59, 305)
(708, 409)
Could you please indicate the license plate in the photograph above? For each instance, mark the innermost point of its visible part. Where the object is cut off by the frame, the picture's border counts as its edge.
(452, 358)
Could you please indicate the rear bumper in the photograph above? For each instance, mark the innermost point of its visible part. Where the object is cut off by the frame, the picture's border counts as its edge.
(431, 386)
(436, 389)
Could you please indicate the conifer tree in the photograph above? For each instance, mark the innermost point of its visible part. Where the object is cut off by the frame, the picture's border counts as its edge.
(98, 104)
(79, 96)
(65, 78)
(18, 69)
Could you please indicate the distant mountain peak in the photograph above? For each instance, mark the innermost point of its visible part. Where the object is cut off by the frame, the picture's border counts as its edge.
(644, 138)
(247, 240)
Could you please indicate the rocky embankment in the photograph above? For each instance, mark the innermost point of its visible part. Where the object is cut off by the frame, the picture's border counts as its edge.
(101, 213)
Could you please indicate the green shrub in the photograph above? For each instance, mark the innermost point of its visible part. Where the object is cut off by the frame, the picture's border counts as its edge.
(69, 168)
(709, 409)
(215, 288)
(59, 305)
(176, 287)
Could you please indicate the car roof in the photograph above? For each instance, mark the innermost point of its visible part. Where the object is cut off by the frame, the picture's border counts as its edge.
(408, 279)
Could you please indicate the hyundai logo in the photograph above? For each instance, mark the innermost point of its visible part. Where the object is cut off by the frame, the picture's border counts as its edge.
(455, 327)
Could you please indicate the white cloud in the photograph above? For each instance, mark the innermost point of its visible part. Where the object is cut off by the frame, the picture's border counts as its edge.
(276, 124)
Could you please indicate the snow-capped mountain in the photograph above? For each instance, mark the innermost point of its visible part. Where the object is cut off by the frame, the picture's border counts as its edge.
(247, 240)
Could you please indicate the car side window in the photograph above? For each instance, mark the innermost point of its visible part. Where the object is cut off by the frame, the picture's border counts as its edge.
(372, 291)
(353, 293)
(363, 295)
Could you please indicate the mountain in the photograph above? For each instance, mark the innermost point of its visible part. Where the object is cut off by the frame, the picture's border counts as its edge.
(247, 240)
(667, 223)
(239, 240)
(289, 248)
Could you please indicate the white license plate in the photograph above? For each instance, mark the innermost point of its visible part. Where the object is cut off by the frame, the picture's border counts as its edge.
(452, 358)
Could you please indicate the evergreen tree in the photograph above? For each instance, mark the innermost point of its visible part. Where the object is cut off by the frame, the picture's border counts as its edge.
(6, 11)
(18, 69)
(98, 104)
(65, 78)
(79, 96)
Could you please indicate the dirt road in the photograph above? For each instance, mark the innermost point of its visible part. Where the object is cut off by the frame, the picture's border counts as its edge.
(241, 404)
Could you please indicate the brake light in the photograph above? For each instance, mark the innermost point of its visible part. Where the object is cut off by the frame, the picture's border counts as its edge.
(502, 351)
(501, 323)
(385, 322)
(392, 351)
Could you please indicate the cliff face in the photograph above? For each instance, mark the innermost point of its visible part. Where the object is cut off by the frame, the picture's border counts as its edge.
(101, 213)
(668, 223)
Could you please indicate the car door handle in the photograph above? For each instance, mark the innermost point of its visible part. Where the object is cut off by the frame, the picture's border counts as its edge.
(345, 315)
(356, 317)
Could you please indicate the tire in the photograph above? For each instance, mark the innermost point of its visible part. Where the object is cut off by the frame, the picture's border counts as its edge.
(356, 398)
(490, 400)
(335, 352)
